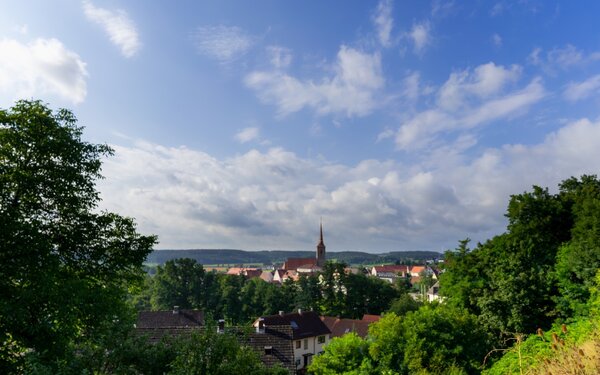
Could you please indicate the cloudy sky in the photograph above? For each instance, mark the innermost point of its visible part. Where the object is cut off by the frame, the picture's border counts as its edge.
(405, 125)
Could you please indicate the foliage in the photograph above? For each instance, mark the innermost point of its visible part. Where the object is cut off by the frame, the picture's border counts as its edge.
(530, 353)
(404, 304)
(49, 221)
(438, 336)
(348, 355)
(211, 353)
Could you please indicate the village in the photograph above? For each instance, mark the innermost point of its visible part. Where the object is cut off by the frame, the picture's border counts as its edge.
(291, 339)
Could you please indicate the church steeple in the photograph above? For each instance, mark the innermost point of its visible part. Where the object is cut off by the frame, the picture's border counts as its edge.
(321, 248)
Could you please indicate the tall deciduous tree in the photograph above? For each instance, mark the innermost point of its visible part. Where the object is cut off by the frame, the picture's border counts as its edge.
(64, 264)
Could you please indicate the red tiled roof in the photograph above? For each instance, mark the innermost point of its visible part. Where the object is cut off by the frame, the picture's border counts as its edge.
(395, 268)
(295, 263)
(370, 318)
(340, 327)
(252, 273)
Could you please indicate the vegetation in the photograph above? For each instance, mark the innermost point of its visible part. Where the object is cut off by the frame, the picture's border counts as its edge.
(185, 283)
(65, 266)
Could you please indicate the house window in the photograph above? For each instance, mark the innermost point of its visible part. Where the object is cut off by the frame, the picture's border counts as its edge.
(298, 344)
(305, 344)
(321, 339)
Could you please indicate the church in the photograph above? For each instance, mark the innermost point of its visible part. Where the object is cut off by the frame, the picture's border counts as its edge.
(308, 265)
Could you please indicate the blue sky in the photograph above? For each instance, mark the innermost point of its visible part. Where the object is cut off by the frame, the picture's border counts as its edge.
(236, 124)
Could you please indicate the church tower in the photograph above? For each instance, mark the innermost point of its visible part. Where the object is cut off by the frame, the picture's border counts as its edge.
(321, 249)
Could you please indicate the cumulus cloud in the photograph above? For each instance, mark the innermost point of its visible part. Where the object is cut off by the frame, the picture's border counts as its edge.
(273, 199)
(384, 22)
(222, 43)
(420, 35)
(350, 91)
(247, 134)
(581, 90)
(42, 67)
(469, 99)
(118, 26)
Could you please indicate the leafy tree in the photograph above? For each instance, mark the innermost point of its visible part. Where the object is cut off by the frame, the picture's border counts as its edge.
(231, 298)
(347, 355)
(179, 283)
(579, 259)
(438, 336)
(404, 304)
(64, 264)
(211, 353)
(387, 344)
(464, 278)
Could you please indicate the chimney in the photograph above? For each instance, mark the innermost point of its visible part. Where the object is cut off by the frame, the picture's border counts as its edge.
(281, 312)
(260, 328)
(221, 326)
(175, 310)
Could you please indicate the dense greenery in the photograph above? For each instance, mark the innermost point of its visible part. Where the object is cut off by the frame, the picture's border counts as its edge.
(64, 265)
(185, 283)
(432, 340)
(538, 274)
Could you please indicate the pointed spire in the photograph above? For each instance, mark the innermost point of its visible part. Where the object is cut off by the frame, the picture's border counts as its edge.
(321, 228)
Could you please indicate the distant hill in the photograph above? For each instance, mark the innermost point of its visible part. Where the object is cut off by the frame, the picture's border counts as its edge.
(230, 256)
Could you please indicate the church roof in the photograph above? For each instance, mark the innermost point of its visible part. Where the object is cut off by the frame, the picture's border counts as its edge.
(295, 263)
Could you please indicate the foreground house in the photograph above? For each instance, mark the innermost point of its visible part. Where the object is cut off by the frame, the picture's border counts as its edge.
(158, 324)
(309, 333)
(273, 344)
(339, 327)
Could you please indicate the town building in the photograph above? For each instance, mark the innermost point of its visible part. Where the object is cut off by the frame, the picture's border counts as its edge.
(309, 265)
(157, 324)
(339, 327)
(309, 333)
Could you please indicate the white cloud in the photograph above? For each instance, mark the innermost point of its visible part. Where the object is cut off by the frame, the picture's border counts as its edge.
(273, 199)
(498, 9)
(280, 57)
(247, 134)
(561, 58)
(350, 91)
(442, 8)
(384, 22)
(497, 40)
(42, 67)
(222, 43)
(467, 100)
(118, 26)
(420, 34)
(581, 90)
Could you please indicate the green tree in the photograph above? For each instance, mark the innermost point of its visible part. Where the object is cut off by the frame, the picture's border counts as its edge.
(438, 337)
(64, 264)
(579, 259)
(347, 355)
(404, 304)
(179, 283)
(211, 353)
(387, 344)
